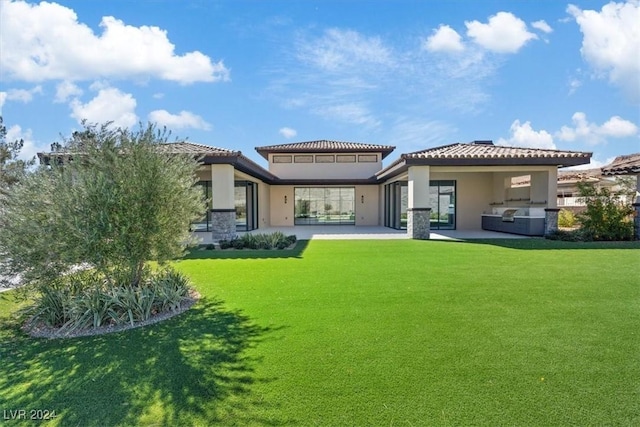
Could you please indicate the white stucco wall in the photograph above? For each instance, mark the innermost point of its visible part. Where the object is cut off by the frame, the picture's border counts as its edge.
(366, 205)
(474, 191)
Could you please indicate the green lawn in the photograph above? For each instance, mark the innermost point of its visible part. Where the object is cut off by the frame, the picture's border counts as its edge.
(508, 332)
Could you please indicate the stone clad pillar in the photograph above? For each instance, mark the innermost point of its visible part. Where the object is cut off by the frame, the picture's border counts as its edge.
(223, 211)
(550, 220)
(419, 223)
(418, 210)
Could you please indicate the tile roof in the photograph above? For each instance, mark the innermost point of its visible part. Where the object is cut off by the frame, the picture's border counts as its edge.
(484, 153)
(324, 146)
(486, 150)
(579, 175)
(196, 149)
(624, 165)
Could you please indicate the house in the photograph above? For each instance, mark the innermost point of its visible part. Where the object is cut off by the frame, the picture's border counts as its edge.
(462, 186)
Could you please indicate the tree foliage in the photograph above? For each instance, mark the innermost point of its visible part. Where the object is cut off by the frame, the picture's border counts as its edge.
(606, 217)
(11, 167)
(111, 199)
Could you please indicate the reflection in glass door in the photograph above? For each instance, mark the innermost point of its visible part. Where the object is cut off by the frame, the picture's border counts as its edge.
(442, 198)
(396, 196)
(246, 203)
(324, 205)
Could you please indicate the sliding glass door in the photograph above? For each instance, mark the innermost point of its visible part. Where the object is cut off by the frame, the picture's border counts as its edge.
(324, 205)
(442, 197)
(246, 203)
(396, 197)
(442, 201)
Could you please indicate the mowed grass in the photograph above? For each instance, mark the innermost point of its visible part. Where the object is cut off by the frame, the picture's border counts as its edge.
(518, 333)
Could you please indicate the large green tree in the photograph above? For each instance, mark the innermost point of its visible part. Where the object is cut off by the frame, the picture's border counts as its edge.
(111, 199)
(11, 167)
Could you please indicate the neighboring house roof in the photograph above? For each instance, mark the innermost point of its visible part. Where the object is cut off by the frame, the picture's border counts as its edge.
(624, 165)
(484, 153)
(325, 146)
(570, 178)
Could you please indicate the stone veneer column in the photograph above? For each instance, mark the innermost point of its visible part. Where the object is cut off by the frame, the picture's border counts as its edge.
(223, 212)
(636, 218)
(418, 210)
(223, 224)
(419, 223)
(550, 220)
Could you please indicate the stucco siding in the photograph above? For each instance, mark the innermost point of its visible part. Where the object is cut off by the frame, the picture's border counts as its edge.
(281, 212)
(474, 191)
(367, 205)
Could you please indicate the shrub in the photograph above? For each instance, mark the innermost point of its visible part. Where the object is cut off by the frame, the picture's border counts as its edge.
(88, 299)
(225, 244)
(273, 240)
(210, 247)
(605, 218)
(568, 236)
(566, 219)
(237, 244)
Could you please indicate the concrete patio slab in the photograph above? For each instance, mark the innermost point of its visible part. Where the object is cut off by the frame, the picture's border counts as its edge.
(350, 232)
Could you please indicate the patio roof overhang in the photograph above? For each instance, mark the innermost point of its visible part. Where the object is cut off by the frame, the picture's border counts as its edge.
(483, 154)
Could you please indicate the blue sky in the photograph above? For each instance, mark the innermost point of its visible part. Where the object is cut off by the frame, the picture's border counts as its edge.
(414, 74)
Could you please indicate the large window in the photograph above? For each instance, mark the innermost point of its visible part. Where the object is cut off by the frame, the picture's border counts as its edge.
(324, 206)
(204, 223)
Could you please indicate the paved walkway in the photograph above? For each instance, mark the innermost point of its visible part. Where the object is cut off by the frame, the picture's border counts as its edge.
(350, 232)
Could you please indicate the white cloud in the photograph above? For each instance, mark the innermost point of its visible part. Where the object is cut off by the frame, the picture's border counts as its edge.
(523, 135)
(21, 95)
(415, 133)
(591, 133)
(109, 105)
(444, 39)
(505, 33)
(594, 163)
(66, 90)
(611, 42)
(288, 132)
(46, 41)
(574, 84)
(184, 119)
(338, 49)
(29, 149)
(352, 113)
(542, 26)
